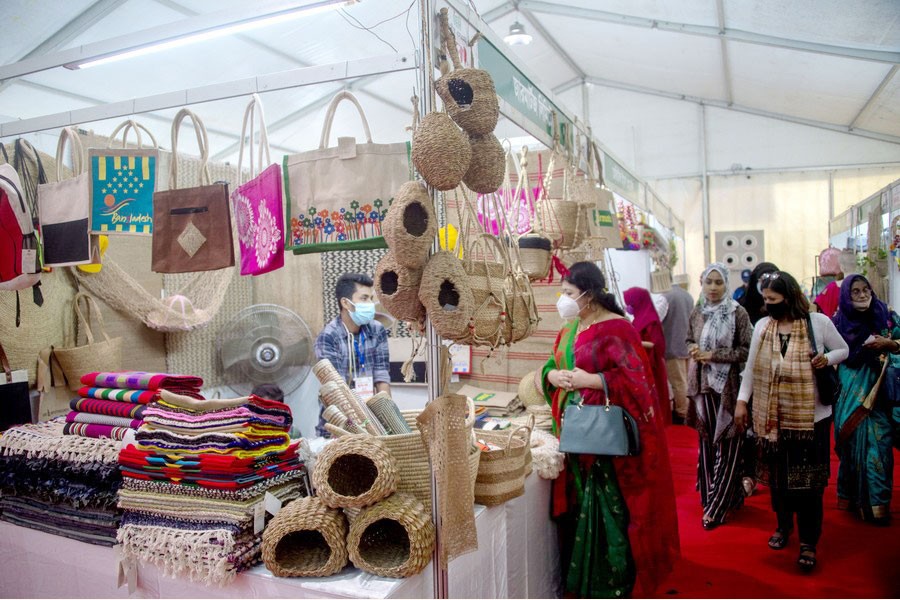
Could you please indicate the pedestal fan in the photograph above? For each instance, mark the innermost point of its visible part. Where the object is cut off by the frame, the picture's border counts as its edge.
(265, 343)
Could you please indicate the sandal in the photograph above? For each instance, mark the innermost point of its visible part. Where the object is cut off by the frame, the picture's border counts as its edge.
(779, 539)
(807, 558)
(710, 524)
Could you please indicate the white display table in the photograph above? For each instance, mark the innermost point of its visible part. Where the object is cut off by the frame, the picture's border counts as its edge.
(517, 557)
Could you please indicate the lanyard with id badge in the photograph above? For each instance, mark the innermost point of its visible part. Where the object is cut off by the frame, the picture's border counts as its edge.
(363, 383)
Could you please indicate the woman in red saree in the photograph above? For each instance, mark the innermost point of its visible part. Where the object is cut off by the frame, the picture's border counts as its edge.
(649, 327)
(616, 516)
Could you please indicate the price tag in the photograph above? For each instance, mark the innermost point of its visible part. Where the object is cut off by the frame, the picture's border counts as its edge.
(364, 387)
(29, 260)
(272, 503)
(259, 517)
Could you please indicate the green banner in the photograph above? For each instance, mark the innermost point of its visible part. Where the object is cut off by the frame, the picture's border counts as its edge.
(620, 180)
(517, 90)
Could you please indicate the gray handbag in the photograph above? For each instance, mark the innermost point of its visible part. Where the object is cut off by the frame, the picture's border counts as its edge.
(604, 430)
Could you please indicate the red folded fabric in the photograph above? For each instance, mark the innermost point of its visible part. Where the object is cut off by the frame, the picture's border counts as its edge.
(93, 430)
(140, 380)
(108, 407)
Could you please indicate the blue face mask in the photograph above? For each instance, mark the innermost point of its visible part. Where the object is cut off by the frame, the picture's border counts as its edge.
(364, 313)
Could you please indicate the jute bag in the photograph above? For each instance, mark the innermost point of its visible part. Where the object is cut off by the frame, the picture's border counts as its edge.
(64, 208)
(338, 196)
(15, 403)
(123, 181)
(258, 210)
(52, 386)
(501, 474)
(603, 224)
(192, 225)
(105, 355)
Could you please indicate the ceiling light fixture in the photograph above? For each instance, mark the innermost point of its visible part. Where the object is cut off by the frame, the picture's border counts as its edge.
(214, 32)
(517, 35)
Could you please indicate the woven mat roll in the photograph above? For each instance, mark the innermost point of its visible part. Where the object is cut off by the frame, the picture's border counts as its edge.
(386, 411)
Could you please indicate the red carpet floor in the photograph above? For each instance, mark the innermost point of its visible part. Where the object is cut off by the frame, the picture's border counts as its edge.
(855, 559)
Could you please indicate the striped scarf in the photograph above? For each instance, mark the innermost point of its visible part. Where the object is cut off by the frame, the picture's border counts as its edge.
(783, 388)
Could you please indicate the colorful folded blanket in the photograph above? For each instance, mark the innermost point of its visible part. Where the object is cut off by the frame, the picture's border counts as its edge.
(92, 430)
(242, 445)
(45, 441)
(164, 413)
(120, 395)
(110, 408)
(82, 417)
(140, 380)
(185, 489)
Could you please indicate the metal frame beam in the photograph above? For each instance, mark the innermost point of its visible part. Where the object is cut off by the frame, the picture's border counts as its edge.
(499, 12)
(871, 101)
(723, 45)
(732, 35)
(883, 137)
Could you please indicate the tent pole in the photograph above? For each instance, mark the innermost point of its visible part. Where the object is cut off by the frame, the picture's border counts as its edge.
(705, 181)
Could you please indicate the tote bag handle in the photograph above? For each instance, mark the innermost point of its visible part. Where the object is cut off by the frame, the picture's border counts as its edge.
(254, 109)
(71, 135)
(125, 127)
(329, 118)
(92, 310)
(202, 143)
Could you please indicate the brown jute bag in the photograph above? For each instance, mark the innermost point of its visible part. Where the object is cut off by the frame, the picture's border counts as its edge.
(192, 226)
(105, 355)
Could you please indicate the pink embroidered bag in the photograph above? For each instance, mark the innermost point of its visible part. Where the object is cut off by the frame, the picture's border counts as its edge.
(257, 204)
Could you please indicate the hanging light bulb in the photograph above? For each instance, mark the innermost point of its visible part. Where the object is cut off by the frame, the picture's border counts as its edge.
(517, 35)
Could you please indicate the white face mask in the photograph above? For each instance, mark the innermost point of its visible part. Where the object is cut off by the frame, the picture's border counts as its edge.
(568, 307)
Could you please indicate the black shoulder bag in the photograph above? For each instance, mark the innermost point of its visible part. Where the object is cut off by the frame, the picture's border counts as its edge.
(827, 381)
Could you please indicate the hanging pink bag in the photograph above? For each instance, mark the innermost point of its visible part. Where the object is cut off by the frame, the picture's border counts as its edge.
(257, 204)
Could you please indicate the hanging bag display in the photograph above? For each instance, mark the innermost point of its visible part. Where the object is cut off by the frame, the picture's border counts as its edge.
(602, 222)
(64, 208)
(339, 196)
(257, 204)
(192, 225)
(604, 430)
(102, 356)
(15, 401)
(122, 183)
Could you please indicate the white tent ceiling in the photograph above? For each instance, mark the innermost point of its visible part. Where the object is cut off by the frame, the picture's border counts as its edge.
(782, 84)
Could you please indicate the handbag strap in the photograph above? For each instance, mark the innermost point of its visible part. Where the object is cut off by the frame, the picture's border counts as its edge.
(71, 135)
(202, 143)
(329, 117)
(254, 109)
(812, 336)
(28, 180)
(5, 363)
(92, 310)
(125, 127)
(512, 434)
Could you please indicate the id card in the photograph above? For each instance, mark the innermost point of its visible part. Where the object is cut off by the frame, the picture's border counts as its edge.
(364, 387)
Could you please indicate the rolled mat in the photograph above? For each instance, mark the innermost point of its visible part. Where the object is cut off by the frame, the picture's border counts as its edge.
(108, 407)
(93, 430)
(140, 380)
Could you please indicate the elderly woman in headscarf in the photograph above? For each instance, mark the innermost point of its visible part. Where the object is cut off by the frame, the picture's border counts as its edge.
(862, 415)
(718, 340)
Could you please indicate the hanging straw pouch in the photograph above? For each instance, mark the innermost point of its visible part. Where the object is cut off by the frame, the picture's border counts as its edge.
(398, 289)
(305, 539)
(440, 150)
(410, 225)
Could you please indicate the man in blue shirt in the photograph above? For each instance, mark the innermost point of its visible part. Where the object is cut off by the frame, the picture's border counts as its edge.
(355, 343)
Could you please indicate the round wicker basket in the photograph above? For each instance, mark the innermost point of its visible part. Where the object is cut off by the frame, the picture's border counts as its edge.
(354, 471)
(530, 392)
(535, 255)
(410, 225)
(397, 287)
(488, 165)
(305, 539)
(393, 538)
(440, 151)
(501, 474)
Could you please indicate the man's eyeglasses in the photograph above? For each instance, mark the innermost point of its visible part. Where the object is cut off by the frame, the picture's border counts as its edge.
(766, 278)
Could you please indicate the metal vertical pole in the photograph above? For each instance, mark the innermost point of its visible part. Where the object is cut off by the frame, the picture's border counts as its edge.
(704, 203)
(433, 355)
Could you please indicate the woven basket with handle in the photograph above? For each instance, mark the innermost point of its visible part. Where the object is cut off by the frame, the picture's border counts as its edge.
(105, 355)
(501, 473)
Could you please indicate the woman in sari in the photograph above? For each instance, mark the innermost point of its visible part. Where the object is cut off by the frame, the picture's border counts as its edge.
(862, 424)
(617, 522)
(792, 425)
(718, 340)
(649, 326)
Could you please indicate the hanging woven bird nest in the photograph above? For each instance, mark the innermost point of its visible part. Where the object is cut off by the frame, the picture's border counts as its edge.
(410, 225)
(446, 293)
(468, 94)
(305, 539)
(354, 471)
(394, 538)
(440, 151)
(398, 289)
(488, 164)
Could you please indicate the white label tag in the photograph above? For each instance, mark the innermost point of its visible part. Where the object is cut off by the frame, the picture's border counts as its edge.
(346, 148)
(273, 503)
(29, 260)
(259, 517)
(364, 387)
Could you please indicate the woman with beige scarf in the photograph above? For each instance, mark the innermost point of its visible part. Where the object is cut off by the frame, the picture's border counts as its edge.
(792, 425)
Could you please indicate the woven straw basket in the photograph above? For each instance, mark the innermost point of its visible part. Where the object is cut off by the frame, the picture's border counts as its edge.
(501, 473)
(488, 165)
(446, 294)
(398, 289)
(499, 438)
(559, 219)
(440, 151)
(101, 356)
(468, 94)
(394, 538)
(535, 255)
(410, 225)
(486, 265)
(305, 539)
(521, 318)
(354, 471)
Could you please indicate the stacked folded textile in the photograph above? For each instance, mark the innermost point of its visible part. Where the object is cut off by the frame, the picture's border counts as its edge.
(112, 404)
(195, 481)
(64, 485)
